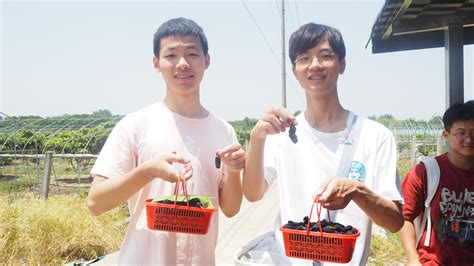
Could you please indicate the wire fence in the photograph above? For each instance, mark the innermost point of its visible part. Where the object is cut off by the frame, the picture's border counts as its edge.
(52, 156)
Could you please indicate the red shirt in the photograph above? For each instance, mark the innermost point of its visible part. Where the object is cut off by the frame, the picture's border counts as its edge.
(452, 213)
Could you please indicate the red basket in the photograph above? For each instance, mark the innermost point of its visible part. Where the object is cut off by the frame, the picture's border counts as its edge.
(318, 246)
(176, 218)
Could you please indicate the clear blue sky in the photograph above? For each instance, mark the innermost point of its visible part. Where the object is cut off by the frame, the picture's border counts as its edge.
(70, 57)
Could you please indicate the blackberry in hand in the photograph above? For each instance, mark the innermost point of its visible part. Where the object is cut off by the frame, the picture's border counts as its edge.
(292, 134)
(217, 161)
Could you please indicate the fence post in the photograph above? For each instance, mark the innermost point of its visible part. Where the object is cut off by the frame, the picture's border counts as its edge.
(439, 145)
(413, 149)
(47, 174)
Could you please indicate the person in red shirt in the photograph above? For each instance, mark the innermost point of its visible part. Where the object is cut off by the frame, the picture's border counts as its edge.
(452, 208)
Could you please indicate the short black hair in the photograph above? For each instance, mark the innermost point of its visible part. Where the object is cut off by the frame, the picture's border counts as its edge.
(309, 35)
(459, 112)
(179, 27)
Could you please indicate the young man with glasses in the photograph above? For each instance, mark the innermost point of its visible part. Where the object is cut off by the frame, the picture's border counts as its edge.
(348, 160)
(451, 238)
(135, 162)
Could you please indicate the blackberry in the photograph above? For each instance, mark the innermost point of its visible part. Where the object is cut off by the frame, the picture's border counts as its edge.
(194, 202)
(292, 134)
(217, 161)
(327, 226)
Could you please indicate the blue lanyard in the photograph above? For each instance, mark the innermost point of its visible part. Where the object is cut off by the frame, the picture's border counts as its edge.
(350, 126)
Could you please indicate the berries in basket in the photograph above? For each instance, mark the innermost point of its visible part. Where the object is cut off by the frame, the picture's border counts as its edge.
(180, 213)
(321, 241)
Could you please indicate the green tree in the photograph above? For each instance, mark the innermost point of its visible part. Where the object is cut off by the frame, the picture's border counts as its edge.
(102, 113)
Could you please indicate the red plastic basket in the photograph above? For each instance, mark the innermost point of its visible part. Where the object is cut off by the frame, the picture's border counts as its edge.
(176, 218)
(318, 246)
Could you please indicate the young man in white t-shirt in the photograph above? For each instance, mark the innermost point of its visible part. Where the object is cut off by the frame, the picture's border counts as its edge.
(369, 191)
(135, 163)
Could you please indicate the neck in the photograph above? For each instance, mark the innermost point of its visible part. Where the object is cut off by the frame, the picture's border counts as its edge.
(462, 162)
(326, 115)
(187, 105)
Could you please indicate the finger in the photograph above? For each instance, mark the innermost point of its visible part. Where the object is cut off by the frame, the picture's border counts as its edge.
(231, 155)
(236, 167)
(265, 124)
(187, 172)
(328, 191)
(171, 175)
(275, 122)
(175, 158)
(229, 149)
(336, 205)
(324, 185)
(231, 162)
(286, 117)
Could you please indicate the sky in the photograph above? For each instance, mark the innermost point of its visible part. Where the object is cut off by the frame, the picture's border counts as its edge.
(74, 57)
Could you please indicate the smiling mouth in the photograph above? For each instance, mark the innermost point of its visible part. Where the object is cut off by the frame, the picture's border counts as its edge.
(183, 76)
(316, 77)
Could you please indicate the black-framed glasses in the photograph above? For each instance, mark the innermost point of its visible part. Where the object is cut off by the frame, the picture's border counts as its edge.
(324, 59)
(463, 135)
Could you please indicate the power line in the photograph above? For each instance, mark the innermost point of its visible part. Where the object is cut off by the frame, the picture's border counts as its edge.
(261, 32)
(273, 10)
(297, 14)
(277, 6)
(298, 92)
(291, 16)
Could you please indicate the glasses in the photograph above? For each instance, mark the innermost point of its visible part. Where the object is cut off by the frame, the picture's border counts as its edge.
(324, 59)
(463, 135)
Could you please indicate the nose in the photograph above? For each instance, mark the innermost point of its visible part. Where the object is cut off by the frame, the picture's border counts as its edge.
(317, 62)
(469, 137)
(182, 63)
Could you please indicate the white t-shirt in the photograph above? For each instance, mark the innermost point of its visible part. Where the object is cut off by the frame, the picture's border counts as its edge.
(301, 167)
(136, 139)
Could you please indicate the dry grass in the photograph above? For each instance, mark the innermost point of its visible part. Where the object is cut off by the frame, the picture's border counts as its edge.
(56, 231)
(386, 250)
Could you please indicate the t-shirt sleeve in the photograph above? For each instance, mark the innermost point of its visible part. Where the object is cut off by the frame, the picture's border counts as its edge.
(117, 156)
(414, 192)
(270, 159)
(388, 181)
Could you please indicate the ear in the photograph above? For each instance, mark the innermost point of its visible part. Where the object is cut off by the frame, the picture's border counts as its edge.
(207, 60)
(293, 69)
(342, 66)
(445, 134)
(156, 64)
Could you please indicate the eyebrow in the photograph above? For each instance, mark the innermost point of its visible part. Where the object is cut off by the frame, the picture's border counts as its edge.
(187, 46)
(319, 52)
(463, 130)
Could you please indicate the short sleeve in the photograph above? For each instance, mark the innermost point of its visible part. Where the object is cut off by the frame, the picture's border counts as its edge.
(118, 155)
(414, 192)
(270, 159)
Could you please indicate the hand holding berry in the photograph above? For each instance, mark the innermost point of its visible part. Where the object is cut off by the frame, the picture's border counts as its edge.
(233, 156)
(274, 121)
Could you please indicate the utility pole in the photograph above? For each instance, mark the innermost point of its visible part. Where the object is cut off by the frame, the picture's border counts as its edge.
(283, 68)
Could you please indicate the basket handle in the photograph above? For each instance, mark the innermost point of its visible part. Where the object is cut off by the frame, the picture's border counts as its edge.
(318, 211)
(176, 188)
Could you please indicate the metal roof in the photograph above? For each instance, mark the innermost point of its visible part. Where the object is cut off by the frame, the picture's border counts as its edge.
(418, 24)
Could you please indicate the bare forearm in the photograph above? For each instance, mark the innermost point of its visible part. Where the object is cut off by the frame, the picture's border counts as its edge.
(106, 194)
(384, 212)
(253, 183)
(408, 239)
(230, 197)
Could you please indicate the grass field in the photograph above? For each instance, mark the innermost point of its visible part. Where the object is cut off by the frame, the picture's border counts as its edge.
(56, 231)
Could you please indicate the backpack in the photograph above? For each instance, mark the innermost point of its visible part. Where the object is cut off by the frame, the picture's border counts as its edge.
(424, 219)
